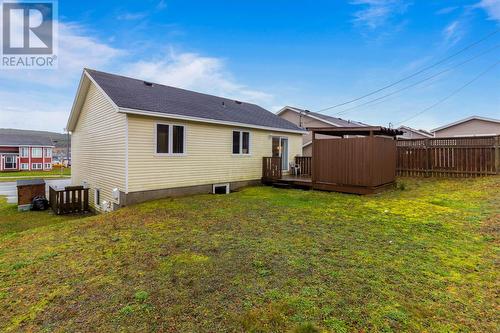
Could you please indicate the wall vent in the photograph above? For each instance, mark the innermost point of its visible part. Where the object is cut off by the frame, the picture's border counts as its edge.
(220, 188)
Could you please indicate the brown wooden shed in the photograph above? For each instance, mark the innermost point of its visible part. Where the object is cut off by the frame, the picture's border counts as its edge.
(358, 160)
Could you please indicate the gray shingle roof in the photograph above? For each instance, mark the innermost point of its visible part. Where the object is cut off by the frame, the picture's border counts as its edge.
(14, 139)
(135, 94)
(338, 121)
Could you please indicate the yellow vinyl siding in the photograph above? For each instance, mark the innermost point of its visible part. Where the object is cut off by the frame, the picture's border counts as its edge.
(98, 145)
(208, 155)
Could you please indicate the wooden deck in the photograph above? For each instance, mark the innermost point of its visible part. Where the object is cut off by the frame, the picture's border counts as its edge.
(296, 180)
(306, 182)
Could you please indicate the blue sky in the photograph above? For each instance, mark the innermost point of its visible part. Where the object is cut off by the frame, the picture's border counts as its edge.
(310, 54)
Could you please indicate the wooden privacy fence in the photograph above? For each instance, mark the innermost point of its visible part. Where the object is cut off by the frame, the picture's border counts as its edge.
(449, 157)
(305, 164)
(271, 168)
(71, 199)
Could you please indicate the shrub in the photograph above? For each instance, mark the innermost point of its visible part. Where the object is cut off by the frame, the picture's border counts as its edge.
(141, 296)
(401, 186)
(307, 328)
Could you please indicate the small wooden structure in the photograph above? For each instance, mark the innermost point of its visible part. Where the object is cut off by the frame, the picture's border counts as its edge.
(359, 160)
(27, 190)
(71, 199)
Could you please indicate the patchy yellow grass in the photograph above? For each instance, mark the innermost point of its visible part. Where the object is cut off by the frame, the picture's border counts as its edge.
(261, 260)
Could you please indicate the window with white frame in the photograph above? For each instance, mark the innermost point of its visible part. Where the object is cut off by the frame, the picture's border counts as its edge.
(36, 152)
(10, 162)
(48, 166)
(36, 166)
(241, 142)
(48, 152)
(24, 152)
(170, 139)
(25, 166)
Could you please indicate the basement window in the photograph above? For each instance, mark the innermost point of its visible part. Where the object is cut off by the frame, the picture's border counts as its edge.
(220, 189)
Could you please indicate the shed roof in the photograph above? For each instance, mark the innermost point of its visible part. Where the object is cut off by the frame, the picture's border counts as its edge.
(367, 130)
(26, 182)
(132, 94)
(18, 139)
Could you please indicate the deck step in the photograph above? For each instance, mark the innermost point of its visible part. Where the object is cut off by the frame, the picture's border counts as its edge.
(282, 185)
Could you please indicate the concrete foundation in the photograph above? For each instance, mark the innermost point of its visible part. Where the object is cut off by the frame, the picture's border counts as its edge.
(131, 198)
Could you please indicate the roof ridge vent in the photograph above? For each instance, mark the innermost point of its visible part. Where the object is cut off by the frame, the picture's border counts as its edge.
(147, 83)
(238, 102)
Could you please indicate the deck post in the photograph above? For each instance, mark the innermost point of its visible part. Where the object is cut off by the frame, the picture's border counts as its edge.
(313, 173)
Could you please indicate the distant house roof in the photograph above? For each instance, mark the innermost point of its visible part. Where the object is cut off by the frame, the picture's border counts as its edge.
(356, 130)
(339, 122)
(465, 120)
(10, 139)
(418, 131)
(137, 96)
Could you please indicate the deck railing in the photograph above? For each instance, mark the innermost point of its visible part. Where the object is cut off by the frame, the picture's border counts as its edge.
(305, 164)
(271, 168)
(71, 199)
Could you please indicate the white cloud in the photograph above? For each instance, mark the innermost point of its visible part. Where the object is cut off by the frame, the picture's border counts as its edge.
(377, 12)
(196, 72)
(131, 16)
(453, 33)
(446, 10)
(76, 51)
(161, 5)
(492, 7)
(33, 110)
(48, 108)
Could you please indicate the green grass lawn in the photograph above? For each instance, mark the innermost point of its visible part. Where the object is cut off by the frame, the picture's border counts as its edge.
(54, 173)
(418, 259)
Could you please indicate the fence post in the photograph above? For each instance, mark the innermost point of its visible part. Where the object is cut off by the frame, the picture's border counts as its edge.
(427, 158)
(497, 154)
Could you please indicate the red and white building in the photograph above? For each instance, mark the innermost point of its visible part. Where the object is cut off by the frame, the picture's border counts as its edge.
(25, 153)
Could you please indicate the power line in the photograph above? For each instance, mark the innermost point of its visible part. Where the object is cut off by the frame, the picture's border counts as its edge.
(452, 94)
(414, 74)
(419, 82)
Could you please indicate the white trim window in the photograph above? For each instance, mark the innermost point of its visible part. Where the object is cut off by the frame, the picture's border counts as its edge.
(25, 166)
(36, 166)
(36, 152)
(10, 162)
(170, 139)
(24, 152)
(47, 152)
(241, 143)
(48, 166)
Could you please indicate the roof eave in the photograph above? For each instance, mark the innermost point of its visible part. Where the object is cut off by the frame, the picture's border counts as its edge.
(205, 120)
(463, 121)
(85, 81)
(307, 114)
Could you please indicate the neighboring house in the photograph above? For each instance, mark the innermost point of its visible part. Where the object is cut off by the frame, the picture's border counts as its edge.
(471, 126)
(134, 141)
(411, 133)
(25, 152)
(305, 119)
